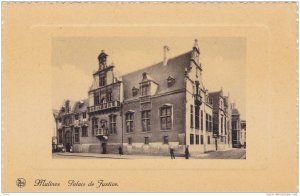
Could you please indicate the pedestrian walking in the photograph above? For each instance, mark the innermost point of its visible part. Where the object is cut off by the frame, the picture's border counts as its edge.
(187, 153)
(172, 153)
(120, 150)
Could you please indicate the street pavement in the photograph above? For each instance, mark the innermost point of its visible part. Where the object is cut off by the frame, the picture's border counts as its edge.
(234, 153)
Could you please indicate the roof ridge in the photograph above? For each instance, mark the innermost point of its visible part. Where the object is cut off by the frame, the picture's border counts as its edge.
(160, 62)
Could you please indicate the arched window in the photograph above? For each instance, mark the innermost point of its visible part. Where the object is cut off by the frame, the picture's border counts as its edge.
(166, 116)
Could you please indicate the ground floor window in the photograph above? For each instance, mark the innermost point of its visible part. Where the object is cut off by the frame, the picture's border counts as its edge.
(146, 140)
(166, 140)
(129, 140)
(208, 139)
(202, 139)
(191, 138)
(76, 135)
(84, 132)
(197, 139)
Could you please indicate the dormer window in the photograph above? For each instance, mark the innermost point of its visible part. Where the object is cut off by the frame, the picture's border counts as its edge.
(147, 85)
(171, 81)
(135, 91)
(145, 89)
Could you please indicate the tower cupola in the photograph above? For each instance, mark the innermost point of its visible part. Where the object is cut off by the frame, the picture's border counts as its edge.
(102, 58)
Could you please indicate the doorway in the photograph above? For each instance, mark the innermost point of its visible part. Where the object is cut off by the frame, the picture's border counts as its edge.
(68, 143)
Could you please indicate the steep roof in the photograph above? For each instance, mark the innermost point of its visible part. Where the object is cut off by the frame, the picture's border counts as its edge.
(159, 73)
(80, 106)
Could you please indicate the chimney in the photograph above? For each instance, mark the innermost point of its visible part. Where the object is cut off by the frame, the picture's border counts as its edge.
(166, 50)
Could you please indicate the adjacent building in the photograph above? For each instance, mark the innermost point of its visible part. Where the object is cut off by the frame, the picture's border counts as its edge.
(221, 118)
(149, 111)
(236, 127)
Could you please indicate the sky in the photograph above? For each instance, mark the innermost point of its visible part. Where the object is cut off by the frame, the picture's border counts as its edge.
(74, 59)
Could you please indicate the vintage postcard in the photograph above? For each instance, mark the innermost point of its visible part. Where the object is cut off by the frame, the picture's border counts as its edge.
(149, 97)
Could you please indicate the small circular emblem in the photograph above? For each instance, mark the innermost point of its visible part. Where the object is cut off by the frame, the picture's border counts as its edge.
(21, 182)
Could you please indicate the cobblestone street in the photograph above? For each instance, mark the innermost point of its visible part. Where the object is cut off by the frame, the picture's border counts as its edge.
(234, 153)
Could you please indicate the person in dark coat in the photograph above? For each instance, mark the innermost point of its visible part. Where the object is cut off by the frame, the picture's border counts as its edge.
(120, 150)
(172, 153)
(187, 153)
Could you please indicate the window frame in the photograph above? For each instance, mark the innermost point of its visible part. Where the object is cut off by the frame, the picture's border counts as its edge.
(95, 126)
(197, 117)
(146, 140)
(113, 124)
(191, 116)
(130, 141)
(145, 89)
(86, 131)
(146, 117)
(102, 79)
(130, 121)
(192, 139)
(165, 139)
(76, 135)
(165, 115)
(197, 139)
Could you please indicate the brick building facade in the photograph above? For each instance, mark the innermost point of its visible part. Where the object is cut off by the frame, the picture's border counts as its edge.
(147, 111)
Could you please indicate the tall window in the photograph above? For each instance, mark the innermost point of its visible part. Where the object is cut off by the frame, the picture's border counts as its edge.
(166, 117)
(206, 122)
(225, 126)
(144, 89)
(146, 121)
(112, 124)
(109, 96)
(210, 123)
(208, 139)
(76, 116)
(96, 99)
(201, 120)
(94, 126)
(76, 135)
(84, 115)
(192, 116)
(102, 80)
(196, 117)
(84, 132)
(222, 125)
(129, 122)
(191, 138)
(202, 139)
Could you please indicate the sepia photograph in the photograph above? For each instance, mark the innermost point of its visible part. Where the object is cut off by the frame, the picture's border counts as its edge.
(185, 99)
